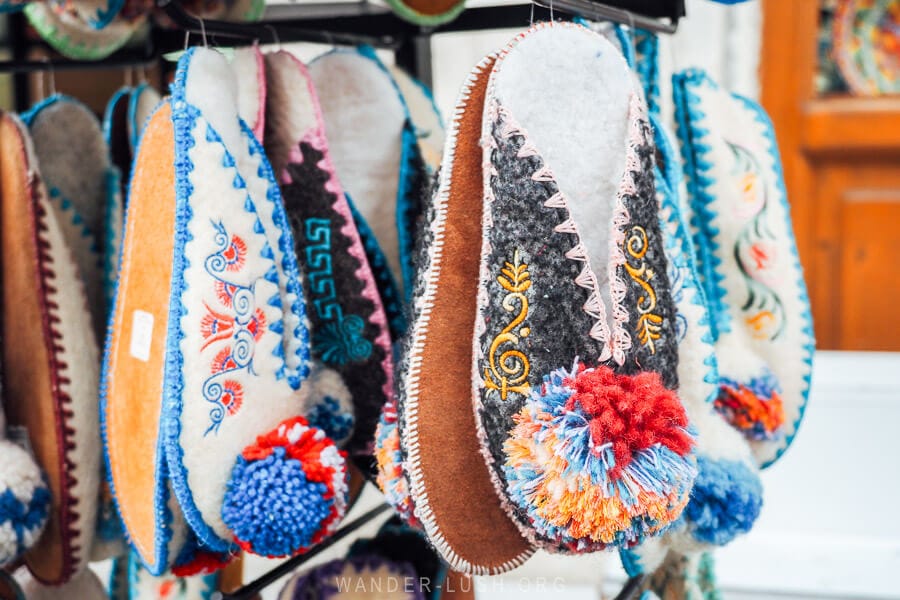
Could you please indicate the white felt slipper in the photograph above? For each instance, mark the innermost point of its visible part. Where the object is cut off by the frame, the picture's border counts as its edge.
(373, 146)
(238, 338)
(49, 361)
(80, 178)
(250, 70)
(424, 114)
(748, 262)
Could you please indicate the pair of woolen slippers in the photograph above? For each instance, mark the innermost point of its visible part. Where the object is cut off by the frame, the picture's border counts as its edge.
(263, 326)
(577, 441)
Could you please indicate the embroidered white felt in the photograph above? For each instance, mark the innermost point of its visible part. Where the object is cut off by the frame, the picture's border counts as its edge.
(251, 77)
(761, 305)
(77, 361)
(585, 145)
(234, 387)
(424, 114)
(364, 117)
(211, 87)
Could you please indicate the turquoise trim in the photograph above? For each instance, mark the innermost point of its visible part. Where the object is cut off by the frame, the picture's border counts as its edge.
(698, 166)
(162, 532)
(669, 181)
(105, 17)
(697, 174)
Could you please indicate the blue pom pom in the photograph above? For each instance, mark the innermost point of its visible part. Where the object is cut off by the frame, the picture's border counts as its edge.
(725, 501)
(328, 416)
(271, 506)
(24, 502)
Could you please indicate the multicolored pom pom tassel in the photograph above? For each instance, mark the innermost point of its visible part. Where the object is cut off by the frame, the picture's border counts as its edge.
(754, 408)
(389, 457)
(598, 459)
(288, 491)
(24, 502)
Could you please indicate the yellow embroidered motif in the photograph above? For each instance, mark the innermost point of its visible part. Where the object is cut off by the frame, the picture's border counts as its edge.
(649, 323)
(508, 369)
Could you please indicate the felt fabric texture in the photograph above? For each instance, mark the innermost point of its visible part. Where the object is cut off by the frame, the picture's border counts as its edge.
(50, 372)
(356, 577)
(427, 13)
(748, 262)
(348, 324)
(238, 339)
(471, 531)
(75, 163)
(250, 70)
(373, 146)
(424, 114)
(71, 36)
(135, 356)
(554, 289)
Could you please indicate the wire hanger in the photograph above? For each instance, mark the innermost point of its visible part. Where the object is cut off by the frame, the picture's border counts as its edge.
(595, 11)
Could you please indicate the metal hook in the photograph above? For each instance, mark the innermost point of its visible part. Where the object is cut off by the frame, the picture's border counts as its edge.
(51, 74)
(551, 11)
(275, 38)
(531, 20)
(203, 32)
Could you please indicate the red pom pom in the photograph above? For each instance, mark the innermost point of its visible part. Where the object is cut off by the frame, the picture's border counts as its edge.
(203, 563)
(633, 412)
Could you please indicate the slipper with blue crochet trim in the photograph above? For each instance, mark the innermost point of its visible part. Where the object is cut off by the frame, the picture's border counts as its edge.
(135, 355)
(748, 262)
(50, 362)
(351, 344)
(237, 338)
(129, 580)
(575, 366)
(429, 444)
(80, 178)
